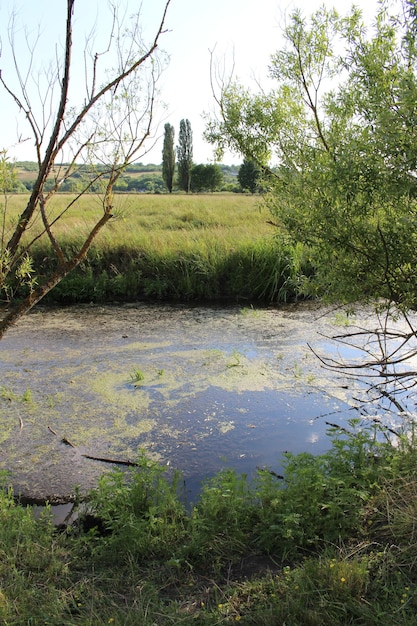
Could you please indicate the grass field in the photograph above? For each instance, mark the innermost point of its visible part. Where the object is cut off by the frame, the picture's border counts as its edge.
(227, 216)
(182, 247)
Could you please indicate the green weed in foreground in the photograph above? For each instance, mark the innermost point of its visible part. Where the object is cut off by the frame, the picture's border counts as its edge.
(331, 543)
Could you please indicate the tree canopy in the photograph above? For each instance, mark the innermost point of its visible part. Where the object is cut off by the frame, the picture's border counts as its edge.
(339, 129)
(206, 177)
(185, 155)
(168, 157)
(249, 175)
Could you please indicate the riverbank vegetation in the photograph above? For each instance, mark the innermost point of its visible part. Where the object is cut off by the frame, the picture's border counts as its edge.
(249, 553)
(172, 247)
(332, 541)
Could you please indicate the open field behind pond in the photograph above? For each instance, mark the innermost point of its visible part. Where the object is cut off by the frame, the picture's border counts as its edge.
(181, 247)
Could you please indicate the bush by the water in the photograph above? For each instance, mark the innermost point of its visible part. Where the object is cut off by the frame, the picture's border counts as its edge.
(330, 542)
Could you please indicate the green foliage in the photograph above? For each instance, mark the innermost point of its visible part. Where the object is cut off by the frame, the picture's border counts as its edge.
(223, 520)
(168, 157)
(185, 155)
(9, 182)
(33, 565)
(206, 177)
(339, 527)
(249, 175)
(136, 177)
(339, 484)
(16, 274)
(141, 513)
(151, 183)
(203, 267)
(345, 183)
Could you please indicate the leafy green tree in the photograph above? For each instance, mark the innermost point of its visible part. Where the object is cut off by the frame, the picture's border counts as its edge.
(185, 155)
(168, 157)
(249, 175)
(206, 177)
(340, 125)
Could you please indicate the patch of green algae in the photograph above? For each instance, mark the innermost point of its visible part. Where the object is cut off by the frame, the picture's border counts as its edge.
(95, 403)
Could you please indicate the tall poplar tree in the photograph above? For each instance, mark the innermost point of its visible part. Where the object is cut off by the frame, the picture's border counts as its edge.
(185, 155)
(168, 157)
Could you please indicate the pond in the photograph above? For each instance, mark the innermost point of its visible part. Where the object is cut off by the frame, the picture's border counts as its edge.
(196, 388)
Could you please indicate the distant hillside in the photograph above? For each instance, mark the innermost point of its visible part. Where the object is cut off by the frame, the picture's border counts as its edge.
(137, 178)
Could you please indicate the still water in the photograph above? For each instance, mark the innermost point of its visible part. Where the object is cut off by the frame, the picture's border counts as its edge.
(196, 388)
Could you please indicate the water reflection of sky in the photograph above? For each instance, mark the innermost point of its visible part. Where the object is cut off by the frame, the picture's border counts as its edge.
(239, 387)
(220, 429)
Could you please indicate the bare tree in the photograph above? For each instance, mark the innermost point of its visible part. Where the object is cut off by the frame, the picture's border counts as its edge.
(108, 129)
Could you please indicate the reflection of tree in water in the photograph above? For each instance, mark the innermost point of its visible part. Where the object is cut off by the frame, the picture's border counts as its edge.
(386, 371)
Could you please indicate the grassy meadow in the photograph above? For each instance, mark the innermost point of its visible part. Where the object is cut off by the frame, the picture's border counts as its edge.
(171, 247)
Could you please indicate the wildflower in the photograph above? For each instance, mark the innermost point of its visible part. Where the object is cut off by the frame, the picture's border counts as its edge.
(343, 579)
(331, 565)
(237, 618)
(220, 606)
(111, 620)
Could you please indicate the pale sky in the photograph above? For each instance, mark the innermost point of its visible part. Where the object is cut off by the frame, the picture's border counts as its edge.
(247, 30)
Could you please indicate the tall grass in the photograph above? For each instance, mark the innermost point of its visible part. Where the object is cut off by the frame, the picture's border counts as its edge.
(182, 247)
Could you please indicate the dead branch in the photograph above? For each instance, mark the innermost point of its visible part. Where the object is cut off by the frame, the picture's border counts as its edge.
(112, 461)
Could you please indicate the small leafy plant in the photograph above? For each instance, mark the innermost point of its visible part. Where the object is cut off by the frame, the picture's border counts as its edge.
(137, 377)
(235, 359)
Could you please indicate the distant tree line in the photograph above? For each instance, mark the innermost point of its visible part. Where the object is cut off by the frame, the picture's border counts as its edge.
(199, 177)
(155, 178)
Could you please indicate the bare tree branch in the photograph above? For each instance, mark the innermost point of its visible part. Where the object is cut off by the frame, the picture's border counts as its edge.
(111, 129)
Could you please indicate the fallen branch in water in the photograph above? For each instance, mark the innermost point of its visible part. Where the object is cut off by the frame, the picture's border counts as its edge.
(115, 461)
(271, 472)
(92, 457)
(67, 442)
